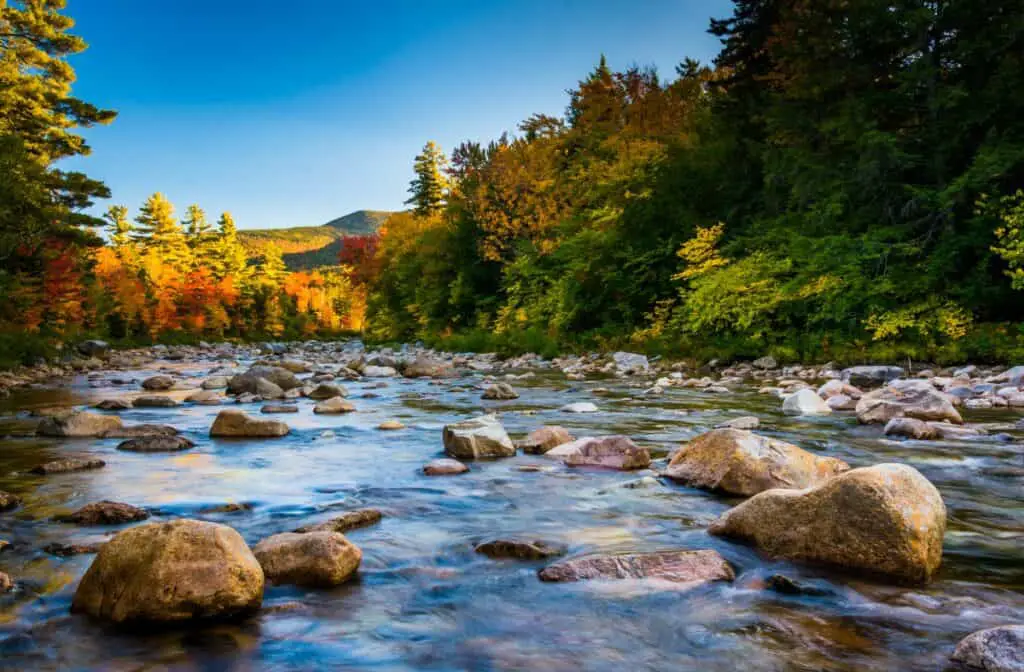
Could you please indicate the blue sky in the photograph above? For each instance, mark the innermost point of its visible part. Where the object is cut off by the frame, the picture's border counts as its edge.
(294, 113)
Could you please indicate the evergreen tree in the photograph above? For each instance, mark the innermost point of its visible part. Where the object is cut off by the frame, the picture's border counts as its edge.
(230, 258)
(120, 228)
(429, 188)
(272, 268)
(158, 232)
(202, 239)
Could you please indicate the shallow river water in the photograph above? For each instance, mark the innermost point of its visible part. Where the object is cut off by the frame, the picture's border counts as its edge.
(424, 600)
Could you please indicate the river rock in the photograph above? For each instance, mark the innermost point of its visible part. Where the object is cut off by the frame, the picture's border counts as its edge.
(766, 362)
(215, 383)
(156, 401)
(519, 550)
(78, 424)
(1014, 376)
(886, 519)
(350, 520)
(743, 463)
(139, 431)
(870, 376)
(311, 559)
(425, 367)
(156, 444)
(67, 466)
(841, 402)
(6, 582)
(686, 567)
(105, 513)
(836, 388)
(334, 405)
(205, 398)
(158, 383)
(114, 405)
(500, 392)
(249, 381)
(444, 467)
(881, 406)
(912, 428)
(8, 501)
(93, 348)
(237, 424)
(371, 371)
(630, 362)
(390, 425)
(612, 452)
(268, 390)
(279, 408)
(579, 407)
(743, 422)
(544, 439)
(167, 572)
(479, 437)
(69, 550)
(805, 402)
(327, 391)
(998, 649)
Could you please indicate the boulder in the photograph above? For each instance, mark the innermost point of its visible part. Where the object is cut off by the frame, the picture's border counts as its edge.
(158, 383)
(425, 367)
(479, 437)
(500, 392)
(912, 428)
(767, 362)
(311, 559)
(327, 391)
(8, 501)
(743, 422)
(998, 649)
(841, 402)
(630, 362)
(1014, 376)
(739, 462)
(156, 401)
(141, 430)
(238, 424)
(685, 567)
(519, 550)
(67, 466)
(444, 467)
(93, 348)
(881, 406)
(805, 402)
(334, 405)
(611, 452)
(156, 444)
(249, 381)
(835, 388)
(886, 519)
(105, 513)
(78, 424)
(114, 405)
(215, 383)
(171, 572)
(205, 398)
(279, 408)
(371, 371)
(541, 440)
(579, 407)
(268, 390)
(350, 520)
(870, 376)
(390, 425)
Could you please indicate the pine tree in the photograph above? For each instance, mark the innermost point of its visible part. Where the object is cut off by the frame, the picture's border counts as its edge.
(159, 232)
(230, 258)
(120, 228)
(201, 238)
(272, 268)
(429, 188)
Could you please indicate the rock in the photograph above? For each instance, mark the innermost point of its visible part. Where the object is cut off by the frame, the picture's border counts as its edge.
(743, 463)
(294, 366)
(156, 444)
(687, 567)
(114, 405)
(479, 437)
(836, 388)
(68, 550)
(781, 583)
(155, 401)
(611, 452)
(334, 405)
(390, 425)
(579, 407)
(238, 424)
(630, 362)
(6, 582)
(279, 408)
(1014, 376)
(742, 422)
(93, 348)
(805, 402)
(78, 424)
(327, 391)
(232, 507)
(500, 392)
(886, 519)
(67, 466)
(166, 572)
(444, 467)
(998, 649)
(371, 371)
(105, 513)
(544, 439)
(8, 501)
(911, 428)
(767, 362)
(158, 383)
(310, 559)
(350, 520)
(268, 390)
(137, 431)
(205, 398)
(881, 406)
(248, 382)
(215, 383)
(841, 402)
(424, 367)
(870, 376)
(519, 550)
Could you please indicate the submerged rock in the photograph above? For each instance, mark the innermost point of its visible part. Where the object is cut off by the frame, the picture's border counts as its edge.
(881, 406)
(238, 424)
(541, 440)
(390, 425)
(444, 467)
(69, 550)
(886, 519)
(167, 572)
(80, 424)
(519, 550)
(998, 649)
(350, 520)
(105, 513)
(479, 437)
(611, 452)
(687, 567)
(312, 559)
(67, 465)
(156, 444)
(780, 583)
(139, 431)
(743, 463)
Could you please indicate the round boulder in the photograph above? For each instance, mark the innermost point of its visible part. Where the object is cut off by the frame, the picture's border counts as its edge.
(237, 424)
(310, 559)
(993, 650)
(483, 436)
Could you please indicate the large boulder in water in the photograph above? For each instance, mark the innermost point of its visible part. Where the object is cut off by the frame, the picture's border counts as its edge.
(236, 424)
(479, 437)
(610, 452)
(79, 424)
(998, 649)
(105, 513)
(870, 376)
(168, 572)
(887, 519)
(249, 381)
(319, 558)
(686, 567)
(923, 403)
(500, 392)
(739, 462)
(425, 367)
(541, 440)
(805, 402)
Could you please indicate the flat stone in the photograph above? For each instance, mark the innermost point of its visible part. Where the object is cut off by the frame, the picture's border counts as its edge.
(105, 513)
(114, 405)
(156, 444)
(579, 407)
(279, 408)
(350, 520)
(519, 550)
(611, 452)
(139, 431)
(334, 405)
(685, 567)
(67, 466)
(444, 467)
(390, 425)
(231, 424)
(156, 401)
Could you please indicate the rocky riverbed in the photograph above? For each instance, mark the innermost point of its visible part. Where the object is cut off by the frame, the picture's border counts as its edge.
(301, 505)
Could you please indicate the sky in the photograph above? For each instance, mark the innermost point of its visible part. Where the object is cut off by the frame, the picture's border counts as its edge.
(295, 113)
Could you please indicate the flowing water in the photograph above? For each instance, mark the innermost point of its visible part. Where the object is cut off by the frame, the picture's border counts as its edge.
(425, 600)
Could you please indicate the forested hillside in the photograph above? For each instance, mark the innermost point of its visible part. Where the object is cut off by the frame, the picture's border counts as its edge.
(309, 247)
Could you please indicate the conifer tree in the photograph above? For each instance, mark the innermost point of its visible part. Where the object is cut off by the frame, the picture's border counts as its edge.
(120, 228)
(201, 237)
(429, 188)
(230, 258)
(272, 266)
(159, 232)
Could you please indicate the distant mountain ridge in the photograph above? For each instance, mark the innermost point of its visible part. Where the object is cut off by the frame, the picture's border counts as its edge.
(307, 247)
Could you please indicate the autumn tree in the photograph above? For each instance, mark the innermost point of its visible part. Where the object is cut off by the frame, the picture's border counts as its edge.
(230, 258)
(429, 188)
(159, 233)
(200, 236)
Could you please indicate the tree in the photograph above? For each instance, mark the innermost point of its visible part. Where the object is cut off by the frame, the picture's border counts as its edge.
(201, 238)
(120, 228)
(429, 188)
(231, 261)
(159, 234)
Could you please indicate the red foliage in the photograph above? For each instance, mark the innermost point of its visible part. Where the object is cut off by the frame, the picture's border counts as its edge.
(359, 253)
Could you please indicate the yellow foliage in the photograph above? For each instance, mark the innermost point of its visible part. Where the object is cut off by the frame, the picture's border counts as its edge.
(700, 253)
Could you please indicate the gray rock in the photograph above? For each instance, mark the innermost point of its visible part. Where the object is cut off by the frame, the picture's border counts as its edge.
(685, 567)
(158, 383)
(156, 401)
(479, 437)
(998, 649)
(871, 376)
(500, 392)
(156, 444)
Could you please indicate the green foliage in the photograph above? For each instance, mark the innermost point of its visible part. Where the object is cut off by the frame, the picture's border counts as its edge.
(310, 247)
(429, 188)
(1010, 235)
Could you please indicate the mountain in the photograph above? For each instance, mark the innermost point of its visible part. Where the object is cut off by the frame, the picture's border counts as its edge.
(307, 247)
